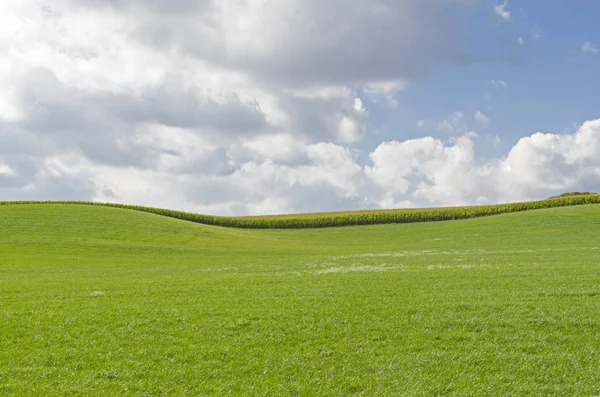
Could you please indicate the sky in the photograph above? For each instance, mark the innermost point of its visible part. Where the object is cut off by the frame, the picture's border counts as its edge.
(236, 107)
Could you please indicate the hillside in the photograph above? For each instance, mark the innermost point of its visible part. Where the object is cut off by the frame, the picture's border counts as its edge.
(349, 218)
(98, 300)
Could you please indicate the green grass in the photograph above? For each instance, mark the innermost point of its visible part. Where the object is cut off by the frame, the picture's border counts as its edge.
(353, 218)
(106, 301)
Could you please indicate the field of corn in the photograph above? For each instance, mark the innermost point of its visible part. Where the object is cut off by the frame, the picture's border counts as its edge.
(352, 218)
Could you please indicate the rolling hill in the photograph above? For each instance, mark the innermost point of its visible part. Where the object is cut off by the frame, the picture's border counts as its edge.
(100, 300)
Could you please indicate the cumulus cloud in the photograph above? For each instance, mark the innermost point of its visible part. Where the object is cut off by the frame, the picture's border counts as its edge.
(425, 169)
(553, 162)
(441, 173)
(131, 100)
(301, 43)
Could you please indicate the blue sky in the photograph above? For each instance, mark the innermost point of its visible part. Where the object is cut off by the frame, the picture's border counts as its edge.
(263, 106)
(550, 84)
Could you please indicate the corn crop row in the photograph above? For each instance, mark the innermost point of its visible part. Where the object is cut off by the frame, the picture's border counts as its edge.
(346, 218)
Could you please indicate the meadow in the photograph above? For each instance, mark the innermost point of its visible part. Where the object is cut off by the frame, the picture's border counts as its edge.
(109, 301)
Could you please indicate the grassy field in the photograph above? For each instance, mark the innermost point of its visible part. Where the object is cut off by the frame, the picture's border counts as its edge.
(107, 301)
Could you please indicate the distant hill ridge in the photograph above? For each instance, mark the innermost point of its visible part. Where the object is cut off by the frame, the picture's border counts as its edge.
(571, 194)
(350, 218)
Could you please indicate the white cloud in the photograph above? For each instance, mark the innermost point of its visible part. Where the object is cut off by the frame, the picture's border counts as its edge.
(6, 170)
(427, 170)
(494, 139)
(349, 130)
(384, 92)
(482, 118)
(589, 47)
(520, 40)
(104, 55)
(454, 123)
(273, 41)
(161, 93)
(325, 176)
(501, 83)
(501, 10)
(421, 123)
